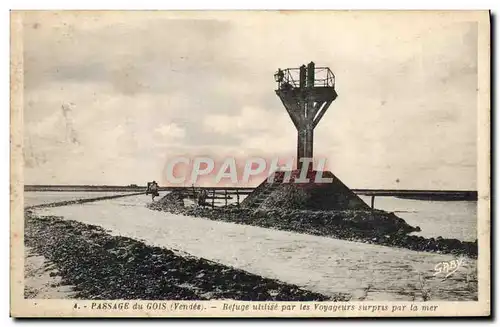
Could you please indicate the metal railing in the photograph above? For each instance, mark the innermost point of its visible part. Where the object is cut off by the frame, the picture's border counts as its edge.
(323, 77)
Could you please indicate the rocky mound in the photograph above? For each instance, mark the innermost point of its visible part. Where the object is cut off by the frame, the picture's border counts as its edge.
(307, 196)
(173, 200)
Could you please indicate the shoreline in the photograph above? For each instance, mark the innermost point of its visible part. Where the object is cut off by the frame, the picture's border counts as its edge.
(410, 264)
(79, 201)
(116, 267)
(365, 226)
(41, 278)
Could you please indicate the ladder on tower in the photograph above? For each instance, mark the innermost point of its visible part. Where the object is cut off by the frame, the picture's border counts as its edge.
(267, 190)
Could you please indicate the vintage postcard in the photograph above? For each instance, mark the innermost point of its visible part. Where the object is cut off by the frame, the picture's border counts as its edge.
(250, 163)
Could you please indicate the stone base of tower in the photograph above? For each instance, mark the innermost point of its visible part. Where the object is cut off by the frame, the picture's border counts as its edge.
(312, 195)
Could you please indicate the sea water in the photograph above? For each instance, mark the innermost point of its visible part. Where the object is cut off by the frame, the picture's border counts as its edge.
(448, 219)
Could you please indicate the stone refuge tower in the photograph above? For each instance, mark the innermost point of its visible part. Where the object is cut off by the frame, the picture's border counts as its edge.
(306, 93)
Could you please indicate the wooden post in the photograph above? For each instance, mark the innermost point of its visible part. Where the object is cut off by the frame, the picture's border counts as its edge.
(225, 196)
(213, 197)
(237, 198)
(373, 201)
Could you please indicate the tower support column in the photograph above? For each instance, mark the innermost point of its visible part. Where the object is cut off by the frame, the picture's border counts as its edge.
(305, 142)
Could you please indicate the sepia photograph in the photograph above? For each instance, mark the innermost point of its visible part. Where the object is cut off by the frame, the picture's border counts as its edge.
(250, 163)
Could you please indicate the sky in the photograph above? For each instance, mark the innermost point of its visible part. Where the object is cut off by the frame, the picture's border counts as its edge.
(110, 98)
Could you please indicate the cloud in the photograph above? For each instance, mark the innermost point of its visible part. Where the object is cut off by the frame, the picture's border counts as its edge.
(247, 120)
(146, 86)
(171, 131)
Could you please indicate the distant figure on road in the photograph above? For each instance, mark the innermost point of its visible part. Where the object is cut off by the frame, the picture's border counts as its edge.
(202, 198)
(152, 189)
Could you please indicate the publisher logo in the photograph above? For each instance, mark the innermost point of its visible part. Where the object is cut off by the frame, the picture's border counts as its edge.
(448, 268)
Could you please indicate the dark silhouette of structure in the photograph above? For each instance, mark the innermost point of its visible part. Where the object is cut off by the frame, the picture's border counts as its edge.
(306, 93)
(152, 189)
